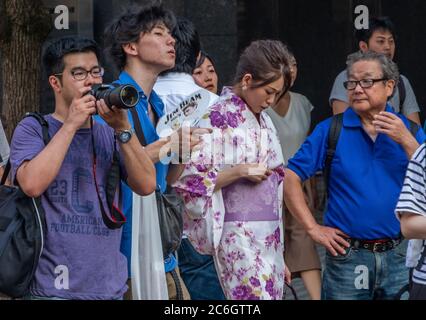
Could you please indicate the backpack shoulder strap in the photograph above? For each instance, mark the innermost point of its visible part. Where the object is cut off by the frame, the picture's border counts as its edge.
(402, 93)
(413, 127)
(333, 138)
(43, 123)
(46, 140)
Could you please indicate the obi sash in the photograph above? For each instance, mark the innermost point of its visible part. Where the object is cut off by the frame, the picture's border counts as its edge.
(247, 201)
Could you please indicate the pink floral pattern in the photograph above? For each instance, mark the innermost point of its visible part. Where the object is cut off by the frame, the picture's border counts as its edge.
(248, 254)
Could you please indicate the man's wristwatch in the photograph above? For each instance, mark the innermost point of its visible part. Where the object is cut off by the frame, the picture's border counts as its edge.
(124, 136)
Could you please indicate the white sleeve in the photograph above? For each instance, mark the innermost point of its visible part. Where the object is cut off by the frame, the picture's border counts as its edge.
(4, 147)
(410, 103)
(338, 92)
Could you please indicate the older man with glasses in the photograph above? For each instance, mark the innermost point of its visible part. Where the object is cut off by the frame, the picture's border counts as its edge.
(380, 37)
(366, 254)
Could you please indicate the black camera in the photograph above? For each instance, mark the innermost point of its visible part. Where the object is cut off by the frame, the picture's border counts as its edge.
(122, 96)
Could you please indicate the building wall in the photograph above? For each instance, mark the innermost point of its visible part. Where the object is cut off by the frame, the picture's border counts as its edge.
(409, 21)
(320, 33)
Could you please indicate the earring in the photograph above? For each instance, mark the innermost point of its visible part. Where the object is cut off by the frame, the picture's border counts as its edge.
(244, 88)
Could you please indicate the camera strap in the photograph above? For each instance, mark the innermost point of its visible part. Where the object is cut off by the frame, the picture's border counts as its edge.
(117, 218)
(138, 129)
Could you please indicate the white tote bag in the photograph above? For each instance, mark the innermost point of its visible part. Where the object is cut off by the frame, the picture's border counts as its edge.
(147, 263)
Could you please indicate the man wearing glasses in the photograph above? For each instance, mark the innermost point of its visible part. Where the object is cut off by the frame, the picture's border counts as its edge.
(81, 257)
(366, 255)
(380, 37)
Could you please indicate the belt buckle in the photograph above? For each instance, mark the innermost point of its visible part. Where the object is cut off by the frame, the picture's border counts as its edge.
(377, 247)
(396, 242)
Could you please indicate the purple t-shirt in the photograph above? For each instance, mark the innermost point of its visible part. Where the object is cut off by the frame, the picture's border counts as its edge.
(81, 258)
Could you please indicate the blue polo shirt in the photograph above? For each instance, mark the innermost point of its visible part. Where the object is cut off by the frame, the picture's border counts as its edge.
(151, 136)
(366, 177)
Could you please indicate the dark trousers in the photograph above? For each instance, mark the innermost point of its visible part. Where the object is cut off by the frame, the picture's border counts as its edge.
(199, 273)
(417, 291)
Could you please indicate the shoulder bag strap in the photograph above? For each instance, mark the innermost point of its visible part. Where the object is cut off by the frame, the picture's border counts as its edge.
(138, 127)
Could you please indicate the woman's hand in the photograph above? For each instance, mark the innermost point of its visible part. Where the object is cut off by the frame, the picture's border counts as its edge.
(256, 173)
(287, 275)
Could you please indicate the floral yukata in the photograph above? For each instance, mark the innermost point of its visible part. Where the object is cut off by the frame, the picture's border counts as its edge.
(239, 225)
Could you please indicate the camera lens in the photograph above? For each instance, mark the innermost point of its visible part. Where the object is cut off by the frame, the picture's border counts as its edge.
(129, 96)
(122, 96)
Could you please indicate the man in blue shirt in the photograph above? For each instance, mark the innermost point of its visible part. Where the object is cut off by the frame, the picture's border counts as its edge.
(141, 46)
(365, 258)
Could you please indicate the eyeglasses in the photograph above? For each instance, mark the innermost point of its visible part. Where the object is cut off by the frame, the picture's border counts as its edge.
(81, 74)
(364, 83)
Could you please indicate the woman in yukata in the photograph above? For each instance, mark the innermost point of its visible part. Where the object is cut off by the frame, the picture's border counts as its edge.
(233, 185)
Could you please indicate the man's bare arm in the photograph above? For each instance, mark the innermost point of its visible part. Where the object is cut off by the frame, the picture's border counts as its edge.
(331, 238)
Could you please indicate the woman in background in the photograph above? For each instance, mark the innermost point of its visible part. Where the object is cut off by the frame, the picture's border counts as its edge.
(205, 74)
(291, 115)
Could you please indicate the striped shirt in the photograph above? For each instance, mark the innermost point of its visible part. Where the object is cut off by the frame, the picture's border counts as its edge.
(413, 200)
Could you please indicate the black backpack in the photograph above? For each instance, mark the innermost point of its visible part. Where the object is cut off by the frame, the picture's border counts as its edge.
(333, 138)
(22, 225)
